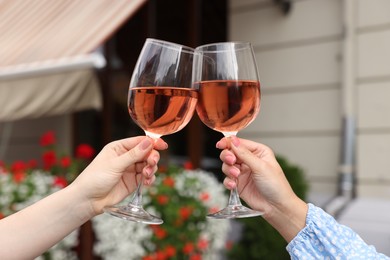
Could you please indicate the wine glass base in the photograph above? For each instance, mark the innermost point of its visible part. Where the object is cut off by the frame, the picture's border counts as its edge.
(236, 211)
(133, 213)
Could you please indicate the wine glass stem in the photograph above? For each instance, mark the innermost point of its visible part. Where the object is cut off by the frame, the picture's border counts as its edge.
(136, 200)
(234, 198)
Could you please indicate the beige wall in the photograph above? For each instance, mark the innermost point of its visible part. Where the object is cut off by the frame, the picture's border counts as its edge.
(373, 92)
(300, 65)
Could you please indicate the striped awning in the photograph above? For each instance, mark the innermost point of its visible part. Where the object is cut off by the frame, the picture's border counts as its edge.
(37, 30)
(39, 35)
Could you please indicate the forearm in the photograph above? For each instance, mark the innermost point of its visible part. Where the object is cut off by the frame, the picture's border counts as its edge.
(33, 230)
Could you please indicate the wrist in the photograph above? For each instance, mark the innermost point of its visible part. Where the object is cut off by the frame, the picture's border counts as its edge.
(288, 218)
(81, 204)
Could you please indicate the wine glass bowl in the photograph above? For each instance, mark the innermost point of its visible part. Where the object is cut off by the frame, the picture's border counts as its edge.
(228, 106)
(225, 75)
(161, 98)
(161, 101)
(176, 106)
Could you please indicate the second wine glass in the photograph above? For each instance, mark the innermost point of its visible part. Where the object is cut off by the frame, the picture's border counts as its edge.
(161, 100)
(225, 74)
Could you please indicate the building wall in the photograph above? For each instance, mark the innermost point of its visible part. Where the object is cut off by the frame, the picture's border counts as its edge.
(23, 141)
(373, 91)
(300, 65)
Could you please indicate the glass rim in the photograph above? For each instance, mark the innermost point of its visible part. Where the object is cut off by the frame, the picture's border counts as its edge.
(238, 45)
(168, 44)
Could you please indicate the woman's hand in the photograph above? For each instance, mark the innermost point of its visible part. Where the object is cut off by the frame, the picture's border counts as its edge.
(254, 170)
(112, 175)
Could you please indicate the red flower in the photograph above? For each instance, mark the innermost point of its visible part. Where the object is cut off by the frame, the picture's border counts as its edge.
(203, 244)
(229, 244)
(159, 232)
(185, 212)
(163, 168)
(204, 196)
(162, 199)
(18, 166)
(188, 248)
(148, 257)
(85, 151)
(1, 215)
(32, 163)
(19, 176)
(65, 161)
(188, 165)
(169, 182)
(2, 165)
(48, 138)
(49, 159)
(60, 182)
(160, 255)
(196, 257)
(170, 251)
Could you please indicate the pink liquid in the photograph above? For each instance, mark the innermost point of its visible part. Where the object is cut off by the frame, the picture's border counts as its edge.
(162, 110)
(228, 105)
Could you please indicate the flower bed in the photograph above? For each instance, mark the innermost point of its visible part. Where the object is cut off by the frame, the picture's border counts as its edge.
(24, 183)
(182, 197)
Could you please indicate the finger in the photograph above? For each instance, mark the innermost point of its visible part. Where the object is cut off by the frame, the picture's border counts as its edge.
(139, 166)
(244, 152)
(228, 157)
(244, 168)
(229, 183)
(149, 181)
(160, 144)
(223, 143)
(230, 171)
(153, 158)
(149, 170)
(129, 143)
(136, 154)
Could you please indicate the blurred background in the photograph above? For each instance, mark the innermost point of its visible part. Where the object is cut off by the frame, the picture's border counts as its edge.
(324, 69)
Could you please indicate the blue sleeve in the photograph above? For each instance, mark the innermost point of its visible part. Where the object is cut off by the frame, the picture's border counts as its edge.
(324, 238)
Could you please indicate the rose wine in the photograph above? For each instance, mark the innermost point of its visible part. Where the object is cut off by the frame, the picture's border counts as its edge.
(228, 106)
(162, 110)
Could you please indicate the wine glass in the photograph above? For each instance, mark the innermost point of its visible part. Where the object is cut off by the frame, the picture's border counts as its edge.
(161, 100)
(225, 75)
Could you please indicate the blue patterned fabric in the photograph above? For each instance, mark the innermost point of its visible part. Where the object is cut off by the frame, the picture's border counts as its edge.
(324, 238)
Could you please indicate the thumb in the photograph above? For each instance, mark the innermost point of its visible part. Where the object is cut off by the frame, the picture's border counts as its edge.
(136, 154)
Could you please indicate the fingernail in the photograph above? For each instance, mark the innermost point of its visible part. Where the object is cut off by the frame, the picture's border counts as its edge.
(148, 171)
(217, 145)
(232, 184)
(235, 173)
(235, 141)
(155, 159)
(230, 159)
(145, 144)
(165, 144)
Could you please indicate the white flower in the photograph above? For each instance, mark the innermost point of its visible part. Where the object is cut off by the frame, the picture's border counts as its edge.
(116, 238)
(119, 239)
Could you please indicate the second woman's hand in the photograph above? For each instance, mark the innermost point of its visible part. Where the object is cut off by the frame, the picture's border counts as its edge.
(262, 184)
